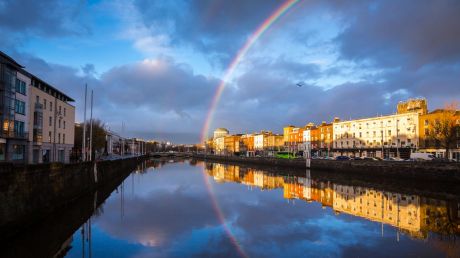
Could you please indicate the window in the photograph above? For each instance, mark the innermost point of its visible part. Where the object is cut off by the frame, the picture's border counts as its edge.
(44, 103)
(59, 137)
(37, 99)
(20, 87)
(63, 124)
(19, 128)
(20, 107)
(18, 152)
(426, 122)
(63, 138)
(49, 135)
(51, 121)
(51, 106)
(59, 124)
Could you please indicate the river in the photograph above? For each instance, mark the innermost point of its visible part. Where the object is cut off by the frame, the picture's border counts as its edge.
(196, 209)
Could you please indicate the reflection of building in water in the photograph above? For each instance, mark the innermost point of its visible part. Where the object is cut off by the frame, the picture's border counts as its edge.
(399, 210)
(411, 213)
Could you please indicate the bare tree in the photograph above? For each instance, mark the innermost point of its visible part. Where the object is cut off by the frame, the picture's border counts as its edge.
(445, 128)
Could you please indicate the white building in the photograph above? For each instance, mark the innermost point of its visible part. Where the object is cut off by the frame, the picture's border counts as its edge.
(259, 141)
(383, 136)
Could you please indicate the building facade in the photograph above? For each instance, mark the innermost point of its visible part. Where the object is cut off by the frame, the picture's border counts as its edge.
(14, 113)
(383, 136)
(53, 119)
(433, 139)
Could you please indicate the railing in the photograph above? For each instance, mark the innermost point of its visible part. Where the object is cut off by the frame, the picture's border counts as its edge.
(15, 135)
(38, 107)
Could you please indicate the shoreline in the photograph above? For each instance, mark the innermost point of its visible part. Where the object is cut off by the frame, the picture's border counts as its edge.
(446, 172)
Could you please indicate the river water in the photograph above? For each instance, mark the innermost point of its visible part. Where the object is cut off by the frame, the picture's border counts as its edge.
(197, 209)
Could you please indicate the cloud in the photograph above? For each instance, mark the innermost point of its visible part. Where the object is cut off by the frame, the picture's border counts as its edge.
(216, 28)
(44, 17)
(409, 33)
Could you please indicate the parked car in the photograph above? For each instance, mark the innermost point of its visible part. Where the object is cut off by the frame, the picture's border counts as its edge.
(342, 158)
(422, 156)
(357, 158)
(371, 158)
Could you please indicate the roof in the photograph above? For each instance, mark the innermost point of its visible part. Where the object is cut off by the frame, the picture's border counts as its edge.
(36, 82)
(46, 87)
(221, 130)
(10, 60)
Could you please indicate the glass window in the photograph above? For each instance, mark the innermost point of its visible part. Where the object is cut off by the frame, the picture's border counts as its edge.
(63, 138)
(51, 121)
(63, 124)
(19, 128)
(44, 103)
(2, 151)
(20, 87)
(49, 136)
(20, 107)
(18, 152)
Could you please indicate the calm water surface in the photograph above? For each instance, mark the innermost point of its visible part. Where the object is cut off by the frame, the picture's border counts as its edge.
(183, 210)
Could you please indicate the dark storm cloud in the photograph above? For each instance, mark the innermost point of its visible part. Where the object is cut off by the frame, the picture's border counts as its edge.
(151, 88)
(44, 17)
(216, 27)
(403, 33)
(160, 84)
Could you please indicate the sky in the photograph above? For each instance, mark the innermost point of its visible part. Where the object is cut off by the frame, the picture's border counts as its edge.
(156, 65)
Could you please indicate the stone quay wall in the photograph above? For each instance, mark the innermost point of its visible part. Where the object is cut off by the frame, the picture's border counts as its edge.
(28, 193)
(438, 171)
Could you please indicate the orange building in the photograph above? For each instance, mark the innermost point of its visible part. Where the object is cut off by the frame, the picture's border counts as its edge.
(428, 143)
(232, 144)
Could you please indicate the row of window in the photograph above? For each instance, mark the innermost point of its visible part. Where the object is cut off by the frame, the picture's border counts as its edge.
(59, 122)
(58, 137)
(45, 102)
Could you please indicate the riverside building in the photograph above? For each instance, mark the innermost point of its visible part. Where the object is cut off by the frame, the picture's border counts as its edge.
(383, 136)
(37, 119)
(14, 115)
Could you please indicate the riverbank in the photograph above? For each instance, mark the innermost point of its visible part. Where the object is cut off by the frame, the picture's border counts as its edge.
(421, 171)
(29, 193)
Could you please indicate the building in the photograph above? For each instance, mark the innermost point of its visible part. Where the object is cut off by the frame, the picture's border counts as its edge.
(294, 138)
(53, 122)
(219, 141)
(14, 115)
(37, 119)
(232, 144)
(247, 144)
(450, 120)
(220, 132)
(383, 136)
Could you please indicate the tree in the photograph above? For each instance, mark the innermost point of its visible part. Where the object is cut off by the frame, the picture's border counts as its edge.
(99, 134)
(445, 127)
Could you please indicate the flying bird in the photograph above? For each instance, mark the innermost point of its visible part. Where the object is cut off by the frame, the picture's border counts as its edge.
(300, 84)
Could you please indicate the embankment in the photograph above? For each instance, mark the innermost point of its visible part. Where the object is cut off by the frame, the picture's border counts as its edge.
(29, 193)
(448, 172)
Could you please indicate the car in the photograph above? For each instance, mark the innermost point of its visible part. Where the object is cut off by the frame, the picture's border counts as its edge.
(342, 158)
(371, 158)
(357, 158)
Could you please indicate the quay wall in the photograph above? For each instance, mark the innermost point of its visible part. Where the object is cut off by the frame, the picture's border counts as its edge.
(448, 172)
(28, 193)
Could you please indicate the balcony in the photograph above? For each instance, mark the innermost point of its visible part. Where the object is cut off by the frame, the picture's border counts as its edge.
(38, 107)
(15, 135)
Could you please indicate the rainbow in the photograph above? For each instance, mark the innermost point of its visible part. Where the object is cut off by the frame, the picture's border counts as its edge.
(239, 57)
(221, 217)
